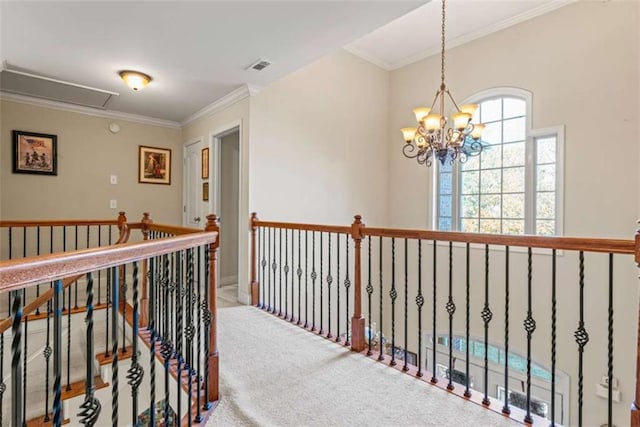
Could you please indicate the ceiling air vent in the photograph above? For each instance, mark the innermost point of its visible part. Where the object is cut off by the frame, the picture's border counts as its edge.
(21, 82)
(259, 65)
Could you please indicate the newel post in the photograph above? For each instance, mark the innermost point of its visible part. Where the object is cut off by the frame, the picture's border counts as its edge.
(255, 287)
(212, 351)
(357, 321)
(145, 226)
(635, 406)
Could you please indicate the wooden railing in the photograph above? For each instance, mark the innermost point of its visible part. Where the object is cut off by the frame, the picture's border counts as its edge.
(458, 271)
(168, 259)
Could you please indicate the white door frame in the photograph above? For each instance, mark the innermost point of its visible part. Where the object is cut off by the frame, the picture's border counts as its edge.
(199, 140)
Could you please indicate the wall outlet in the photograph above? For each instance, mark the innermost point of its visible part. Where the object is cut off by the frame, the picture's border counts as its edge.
(113, 179)
(113, 204)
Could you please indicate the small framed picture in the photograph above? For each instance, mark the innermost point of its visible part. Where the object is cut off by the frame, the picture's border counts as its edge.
(205, 191)
(35, 153)
(154, 165)
(205, 163)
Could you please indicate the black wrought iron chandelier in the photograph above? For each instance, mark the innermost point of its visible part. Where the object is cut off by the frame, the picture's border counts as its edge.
(435, 137)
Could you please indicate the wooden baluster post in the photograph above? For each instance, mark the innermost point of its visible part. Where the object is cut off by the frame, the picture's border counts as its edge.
(212, 225)
(255, 286)
(357, 321)
(635, 406)
(144, 300)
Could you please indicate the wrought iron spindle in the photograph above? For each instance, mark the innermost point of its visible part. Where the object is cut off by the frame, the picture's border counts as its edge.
(24, 370)
(273, 267)
(321, 287)
(115, 300)
(405, 367)
(3, 386)
(434, 338)
(106, 313)
(38, 285)
(369, 290)
(123, 350)
(299, 273)
(16, 359)
(166, 348)
(553, 337)
(99, 271)
(451, 309)
(47, 355)
(530, 327)
(269, 272)
(306, 278)
(582, 338)
(486, 315)
(263, 264)
(181, 292)
(199, 350)
(57, 353)
(347, 285)
(338, 288)
(152, 338)
(69, 339)
(467, 392)
(329, 281)
(135, 372)
(189, 333)
(505, 408)
(393, 293)
(380, 343)
(75, 285)
(286, 275)
(314, 276)
(610, 346)
(419, 303)
(90, 408)
(206, 317)
(280, 273)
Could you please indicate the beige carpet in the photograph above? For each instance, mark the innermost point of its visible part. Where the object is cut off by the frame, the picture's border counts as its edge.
(276, 374)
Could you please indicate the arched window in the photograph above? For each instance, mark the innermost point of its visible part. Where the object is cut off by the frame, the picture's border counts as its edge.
(514, 186)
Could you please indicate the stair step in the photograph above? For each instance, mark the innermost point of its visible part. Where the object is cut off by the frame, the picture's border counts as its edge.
(40, 422)
(106, 360)
(78, 388)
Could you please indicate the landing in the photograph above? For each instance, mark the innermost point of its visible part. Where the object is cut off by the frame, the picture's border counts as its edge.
(273, 373)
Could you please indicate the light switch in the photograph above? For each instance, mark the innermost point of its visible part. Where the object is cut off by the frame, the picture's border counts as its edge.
(114, 179)
(113, 204)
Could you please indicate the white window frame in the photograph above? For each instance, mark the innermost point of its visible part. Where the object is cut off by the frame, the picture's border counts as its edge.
(531, 135)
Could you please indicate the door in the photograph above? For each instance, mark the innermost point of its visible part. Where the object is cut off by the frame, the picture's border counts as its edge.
(192, 209)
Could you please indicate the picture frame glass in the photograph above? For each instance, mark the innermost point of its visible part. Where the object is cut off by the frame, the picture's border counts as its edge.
(34, 153)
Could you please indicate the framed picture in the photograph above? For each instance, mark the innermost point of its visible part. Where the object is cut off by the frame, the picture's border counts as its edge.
(205, 191)
(154, 165)
(35, 153)
(205, 163)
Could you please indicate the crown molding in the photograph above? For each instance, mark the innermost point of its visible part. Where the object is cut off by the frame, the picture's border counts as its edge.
(369, 58)
(244, 91)
(109, 114)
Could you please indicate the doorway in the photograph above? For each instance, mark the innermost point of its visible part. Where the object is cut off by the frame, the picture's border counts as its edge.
(228, 202)
(192, 206)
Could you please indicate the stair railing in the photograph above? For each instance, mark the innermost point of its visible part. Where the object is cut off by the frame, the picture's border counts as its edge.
(505, 306)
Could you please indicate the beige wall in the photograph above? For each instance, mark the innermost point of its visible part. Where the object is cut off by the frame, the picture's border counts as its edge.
(318, 143)
(87, 155)
(583, 76)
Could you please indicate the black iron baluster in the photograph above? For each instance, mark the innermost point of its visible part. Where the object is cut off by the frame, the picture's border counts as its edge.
(38, 285)
(189, 333)
(115, 300)
(314, 276)
(3, 386)
(393, 293)
(64, 249)
(280, 274)
(553, 337)
(166, 348)
(76, 283)
(610, 347)
(135, 372)
(329, 281)
(505, 408)
(106, 312)
(263, 264)
(199, 350)
(57, 353)
(152, 337)
(405, 367)
(24, 371)
(306, 279)
(90, 408)
(321, 287)
(380, 343)
(369, 290)
(419, 303)
(486, 315)
(299, 272)
(530, 327)
(180, 294)
(347, 285)
(69, 338)
(451, 309)
(47, 355)
(274, 266)
(434, 337)
(99, 271)
(123, 350)
(286, 274)
(16, 359)
(467, 392)
(206, 317)
(582, 338)
(338, 288)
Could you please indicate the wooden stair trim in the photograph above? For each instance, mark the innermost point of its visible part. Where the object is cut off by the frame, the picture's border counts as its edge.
(40, 422)
(77, 388)
(104, 359)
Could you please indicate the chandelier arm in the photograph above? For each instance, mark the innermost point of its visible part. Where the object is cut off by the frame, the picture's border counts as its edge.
(453, 100)
(435, 99)
(408, 149)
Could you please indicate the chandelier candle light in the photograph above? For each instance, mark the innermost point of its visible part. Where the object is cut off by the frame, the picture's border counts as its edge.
(433, 138)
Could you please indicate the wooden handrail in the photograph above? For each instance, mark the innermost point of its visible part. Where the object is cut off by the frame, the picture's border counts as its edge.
(173, 229)
(307, 227)
(21, 273)
(56, 222)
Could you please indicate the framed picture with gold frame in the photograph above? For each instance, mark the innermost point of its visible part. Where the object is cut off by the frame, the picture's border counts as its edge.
(205, 163)
(154, 165)
(205, 191)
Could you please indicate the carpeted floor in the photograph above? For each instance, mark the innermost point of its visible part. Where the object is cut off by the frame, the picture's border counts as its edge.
(273, 373)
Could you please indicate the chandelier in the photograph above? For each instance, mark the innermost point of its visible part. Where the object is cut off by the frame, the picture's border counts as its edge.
(435, 136)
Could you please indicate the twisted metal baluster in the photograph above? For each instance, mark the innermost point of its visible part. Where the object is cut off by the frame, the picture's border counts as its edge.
(181, 293)
(166, 348)
(369, 290)
(38, 286)
(263, 264)
(434, 337)
(582, 338)
(99, 271)
(338, 288)
(329, 282)
(393, 293)
(419, 303)
(306, 279)
(269, 271)
(467, 392)
(57, 353)
(190, 332)
(206, 318)
(135, 372)
(124, 309)
(152, 347)
(299, 272)
(314, 276)
(451, 309)
(199, 350)
(347, 285)
(16, 359)
(286, 275)
(90, 408)
(321, 287)
(505, 408)
(24, 371)
(47, 354)
(380, 343)
(610, 346)
(405, 367)
(553, 337)
(76, 283)
(530, 327)
(274, 267)
(280, 273)
(115, 300)
(486, 315)
(3, 386)
(69, 340)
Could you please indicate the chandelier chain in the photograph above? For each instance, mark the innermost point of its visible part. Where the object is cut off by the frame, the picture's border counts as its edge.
(442, 53)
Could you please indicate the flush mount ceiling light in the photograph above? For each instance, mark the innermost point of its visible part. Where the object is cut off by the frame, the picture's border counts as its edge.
(135, 79)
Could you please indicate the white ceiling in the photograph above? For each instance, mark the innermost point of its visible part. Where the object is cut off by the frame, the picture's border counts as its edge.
(416, 35)
(195, 51)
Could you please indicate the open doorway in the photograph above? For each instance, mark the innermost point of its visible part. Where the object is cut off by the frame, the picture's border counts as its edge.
(229, 187)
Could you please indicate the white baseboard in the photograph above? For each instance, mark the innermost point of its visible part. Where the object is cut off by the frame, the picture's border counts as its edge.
(229, 280)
